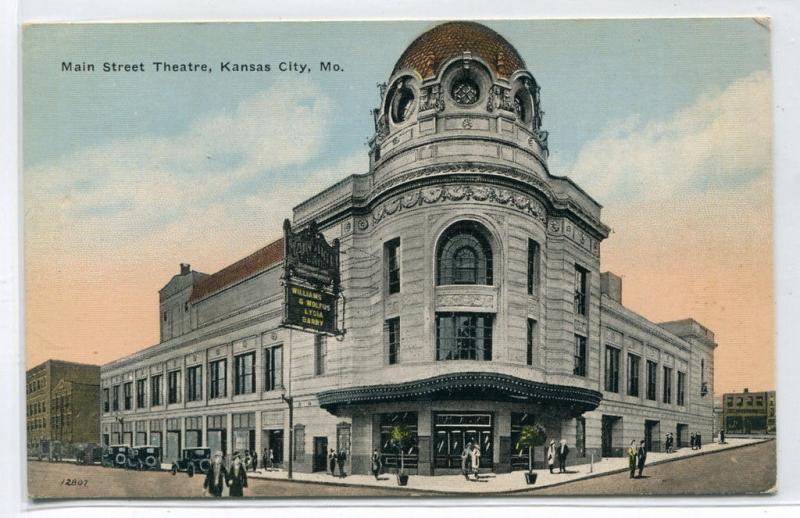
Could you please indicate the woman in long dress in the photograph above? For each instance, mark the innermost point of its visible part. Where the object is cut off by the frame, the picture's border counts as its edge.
(551, 455)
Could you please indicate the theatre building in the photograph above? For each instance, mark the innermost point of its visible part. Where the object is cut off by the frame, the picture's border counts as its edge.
(474, 303)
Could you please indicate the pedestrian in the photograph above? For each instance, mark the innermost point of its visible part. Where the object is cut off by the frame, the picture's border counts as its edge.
(332, 462)
(563, 451)
(668, 442)
(692, 440)
(476, 460)
(722, 436)
(632, 458)
(699, 439)
(466, 460)
(216, 477)
(376, 463)
(641, 457)
(551, 455)
(237, 477)
(248, 460)
(264, 458)
(255, 460)
(341, 458)
(271, 459)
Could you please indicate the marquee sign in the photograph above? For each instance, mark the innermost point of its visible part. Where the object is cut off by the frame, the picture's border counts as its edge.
(311, 281)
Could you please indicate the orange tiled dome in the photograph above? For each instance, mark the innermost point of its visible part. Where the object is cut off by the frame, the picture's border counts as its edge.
(430, 50)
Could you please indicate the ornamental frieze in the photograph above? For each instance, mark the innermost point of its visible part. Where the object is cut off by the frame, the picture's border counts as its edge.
(561, 226)
(479, 193)
(466, 300)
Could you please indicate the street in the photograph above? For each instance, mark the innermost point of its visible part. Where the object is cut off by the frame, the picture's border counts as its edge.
(750, 469)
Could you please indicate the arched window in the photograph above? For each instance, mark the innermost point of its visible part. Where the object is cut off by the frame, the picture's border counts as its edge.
(464, 255)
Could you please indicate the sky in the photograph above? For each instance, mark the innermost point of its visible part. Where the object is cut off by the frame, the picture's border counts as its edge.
(667, 123)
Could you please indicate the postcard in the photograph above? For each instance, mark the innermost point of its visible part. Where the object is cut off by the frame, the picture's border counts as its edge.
(398, 258)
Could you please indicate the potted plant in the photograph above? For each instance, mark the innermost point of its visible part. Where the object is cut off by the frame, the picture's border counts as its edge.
(400, 437)
(530, 437)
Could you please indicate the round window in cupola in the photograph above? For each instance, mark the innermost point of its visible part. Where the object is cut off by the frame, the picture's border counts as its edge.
(465, 91)
(403, 103)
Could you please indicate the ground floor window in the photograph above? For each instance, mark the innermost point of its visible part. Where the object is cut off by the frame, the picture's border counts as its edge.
(390, 453)
(580, 436)
(519, 455)
(216, 434)
(453, 431)
(244, 432)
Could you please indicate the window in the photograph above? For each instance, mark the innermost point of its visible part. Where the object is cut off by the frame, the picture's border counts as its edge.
(320, 354)
(463, 336)
(533, 267)
(531, 342)
(652, 374)
(106, 402)
(273, 368)
(633, 375)
(739, 401)
(465, 91)
(681, 395)
(115, 402)
(128, 395)
(174, 387)
(464, 255)
(612, 369)
(155, 390)
(194, 383)
(393, 339)
(140, 387)
(218, 386)
(580, 290)
(393, 265)
(245, 374)
(667, 385)
(579, 368)
(299, 442)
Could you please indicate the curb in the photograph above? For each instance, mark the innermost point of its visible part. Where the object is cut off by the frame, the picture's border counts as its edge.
(512, 491)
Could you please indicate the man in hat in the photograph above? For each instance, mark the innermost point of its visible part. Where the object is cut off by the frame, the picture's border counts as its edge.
(216, 476)
(641, 457)
(237, 476)
(332, 462)
(563, 451)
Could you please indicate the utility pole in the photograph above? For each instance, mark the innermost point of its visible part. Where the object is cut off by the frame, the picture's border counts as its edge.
(290, 401)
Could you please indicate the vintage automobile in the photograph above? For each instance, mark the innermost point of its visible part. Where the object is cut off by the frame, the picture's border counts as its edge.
(144, 457)
(88, 453)
(116, 456)
(193, 460)
(50, 450)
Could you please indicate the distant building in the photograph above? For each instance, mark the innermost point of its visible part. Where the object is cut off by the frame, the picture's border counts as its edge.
(749, 412)
(63, 402)
(475, 304)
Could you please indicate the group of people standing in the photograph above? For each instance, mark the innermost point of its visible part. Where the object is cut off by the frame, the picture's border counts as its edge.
(637, 456)
(470, 460)
(337, 459)
(559, 452)
(696, 441)
(218, 477)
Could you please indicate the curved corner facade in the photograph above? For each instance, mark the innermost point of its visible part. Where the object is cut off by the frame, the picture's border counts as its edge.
(475, 303)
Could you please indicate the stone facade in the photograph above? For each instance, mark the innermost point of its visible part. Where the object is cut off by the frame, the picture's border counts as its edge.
(509, 329)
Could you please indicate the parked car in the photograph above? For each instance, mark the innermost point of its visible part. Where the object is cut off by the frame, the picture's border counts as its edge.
(193, 460)
(50, 450)
(88, 453)
(144, 457)
(116, 456)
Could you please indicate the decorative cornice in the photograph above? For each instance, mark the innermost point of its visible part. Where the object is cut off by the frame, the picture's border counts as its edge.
(466, 385)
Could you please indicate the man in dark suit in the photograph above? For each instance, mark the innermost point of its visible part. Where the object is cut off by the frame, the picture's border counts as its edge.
(216, 477)
(376, 463)
(332, 462)
(341, 458)
(563, 451)
(641, 457)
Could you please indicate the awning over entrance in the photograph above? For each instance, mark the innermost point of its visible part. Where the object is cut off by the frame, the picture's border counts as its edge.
(466, 386)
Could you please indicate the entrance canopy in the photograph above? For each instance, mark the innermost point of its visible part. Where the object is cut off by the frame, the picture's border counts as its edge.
(466, 386)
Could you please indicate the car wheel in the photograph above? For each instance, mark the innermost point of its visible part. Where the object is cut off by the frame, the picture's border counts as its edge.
(190, 471)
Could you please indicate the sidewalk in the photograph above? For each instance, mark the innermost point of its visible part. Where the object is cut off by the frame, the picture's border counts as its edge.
(498, 483)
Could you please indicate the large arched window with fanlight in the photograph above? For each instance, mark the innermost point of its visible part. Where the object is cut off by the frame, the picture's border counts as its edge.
(463, 255)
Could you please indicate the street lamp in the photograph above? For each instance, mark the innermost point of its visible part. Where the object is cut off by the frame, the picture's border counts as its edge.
(290, 401)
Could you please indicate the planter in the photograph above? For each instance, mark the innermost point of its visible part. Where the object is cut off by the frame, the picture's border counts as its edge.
(530, 477)
(402, 479)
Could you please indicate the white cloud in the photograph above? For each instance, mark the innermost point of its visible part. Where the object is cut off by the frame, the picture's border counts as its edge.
(720, 142)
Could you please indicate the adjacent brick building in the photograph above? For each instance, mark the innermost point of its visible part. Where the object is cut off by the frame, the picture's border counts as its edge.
(749, 412)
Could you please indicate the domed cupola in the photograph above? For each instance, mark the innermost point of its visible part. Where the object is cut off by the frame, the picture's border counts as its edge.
(458, 82)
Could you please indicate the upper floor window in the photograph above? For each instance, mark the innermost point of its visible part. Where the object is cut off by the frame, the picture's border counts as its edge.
(115, 401)
(320, 354)
(531, 342)
(612, 369)
(464, 255)
(245, 373)
(155, 390)
(174, 387)
(218, 372)
(273, 368)
(681, 394)
(194, 383)
(128, 391)
(393, 339)
(667, 385)
(633, 375)
(140, 395)
(533, 267)
(463, 336)
(393, 265)
(579, 364)
(652, 374)
(581, 290)
(106, 405)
